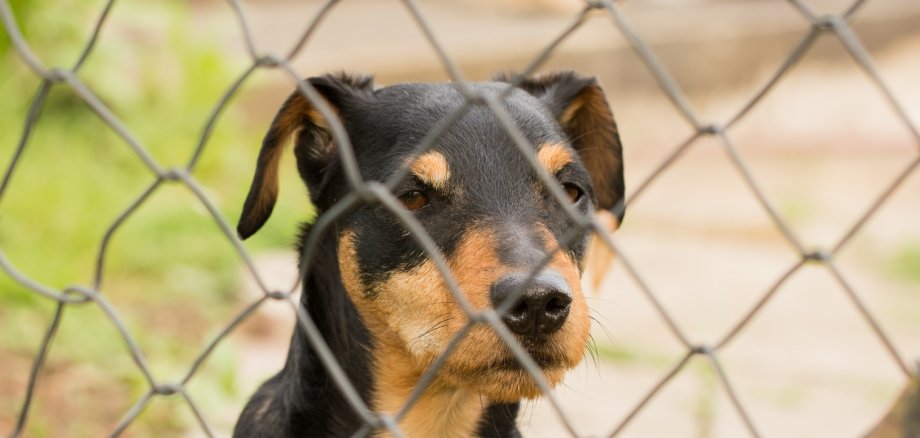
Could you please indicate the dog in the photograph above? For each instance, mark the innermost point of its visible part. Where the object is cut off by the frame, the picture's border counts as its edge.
(378, 298)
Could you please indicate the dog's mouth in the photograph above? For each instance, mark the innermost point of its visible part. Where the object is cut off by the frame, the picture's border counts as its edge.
(507, 361)
(548, 353)
(542, 359)
(505, 378)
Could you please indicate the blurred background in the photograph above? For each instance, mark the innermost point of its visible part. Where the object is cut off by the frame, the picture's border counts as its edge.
(823, 145)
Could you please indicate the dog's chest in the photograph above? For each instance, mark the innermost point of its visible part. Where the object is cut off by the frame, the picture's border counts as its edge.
(449, 414)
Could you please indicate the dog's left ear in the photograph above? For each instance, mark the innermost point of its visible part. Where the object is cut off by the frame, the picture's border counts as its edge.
(314, 145)
(579, 105)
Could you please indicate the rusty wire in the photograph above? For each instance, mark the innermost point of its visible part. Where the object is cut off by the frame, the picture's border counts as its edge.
(373, 192)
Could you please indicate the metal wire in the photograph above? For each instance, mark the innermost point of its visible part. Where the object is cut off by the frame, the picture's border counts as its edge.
(373, 192)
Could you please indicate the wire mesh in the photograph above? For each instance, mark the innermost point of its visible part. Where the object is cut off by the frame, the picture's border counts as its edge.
(373, 192)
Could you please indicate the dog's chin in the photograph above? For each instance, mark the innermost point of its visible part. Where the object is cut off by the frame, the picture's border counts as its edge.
(506, 380)
(511, 385)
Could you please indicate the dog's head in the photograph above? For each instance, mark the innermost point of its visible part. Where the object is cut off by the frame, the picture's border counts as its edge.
(481, 202)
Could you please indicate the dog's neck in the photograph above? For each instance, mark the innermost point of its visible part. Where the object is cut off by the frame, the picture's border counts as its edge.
(440, 410)
(317, 403)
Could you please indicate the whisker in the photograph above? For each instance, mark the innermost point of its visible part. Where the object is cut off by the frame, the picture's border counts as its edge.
(437, 325)
(607, 333)
(595, 357)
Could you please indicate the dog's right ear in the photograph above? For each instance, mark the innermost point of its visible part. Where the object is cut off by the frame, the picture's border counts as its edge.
(314, 145)
(579, 105)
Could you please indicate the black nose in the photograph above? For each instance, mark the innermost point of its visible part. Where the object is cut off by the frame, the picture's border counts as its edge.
(542, 307)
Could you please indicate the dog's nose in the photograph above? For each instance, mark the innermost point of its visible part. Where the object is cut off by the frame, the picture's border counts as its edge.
(540, 309)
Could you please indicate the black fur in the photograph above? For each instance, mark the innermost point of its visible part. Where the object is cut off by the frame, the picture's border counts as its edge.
(303, 401)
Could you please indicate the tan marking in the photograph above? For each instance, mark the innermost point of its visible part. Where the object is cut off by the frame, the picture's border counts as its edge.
(412, 317)
(292, 114)
(411, 304)
(441, 411)
(574, 106)
(268, 193)
(432, 169)
(317, 117)
(447, 408)
(573, 336)
(401, 317)
(554, 156)
(297, 109)
(599, 256)
(348, 264)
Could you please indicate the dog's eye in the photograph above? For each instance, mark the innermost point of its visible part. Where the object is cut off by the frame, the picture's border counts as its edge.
(573, 191)
(414, 200)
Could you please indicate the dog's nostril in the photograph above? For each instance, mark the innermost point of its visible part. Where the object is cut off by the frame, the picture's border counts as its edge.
(555, 310)
(558, 303)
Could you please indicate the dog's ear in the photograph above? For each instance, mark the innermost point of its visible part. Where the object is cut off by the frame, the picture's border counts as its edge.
(314, 145)
(579, 105)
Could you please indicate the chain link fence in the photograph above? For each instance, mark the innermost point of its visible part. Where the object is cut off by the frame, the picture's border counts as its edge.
(363, 191)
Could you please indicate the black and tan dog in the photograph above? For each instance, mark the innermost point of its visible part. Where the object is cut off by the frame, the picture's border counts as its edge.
(380, 302)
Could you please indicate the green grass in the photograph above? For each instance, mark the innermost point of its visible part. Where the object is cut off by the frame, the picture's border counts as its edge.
(905, 264)
(704, 406)
(169, 271)
(632, 355)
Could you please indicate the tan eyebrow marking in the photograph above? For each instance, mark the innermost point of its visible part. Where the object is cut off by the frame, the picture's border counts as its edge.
(432, 169)
(554, 156)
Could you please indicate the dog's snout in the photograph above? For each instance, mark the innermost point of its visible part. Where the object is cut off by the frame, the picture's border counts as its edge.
(540, 309)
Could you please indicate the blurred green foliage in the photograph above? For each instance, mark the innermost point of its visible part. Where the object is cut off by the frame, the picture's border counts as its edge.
(906, 262)
(169, 272)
